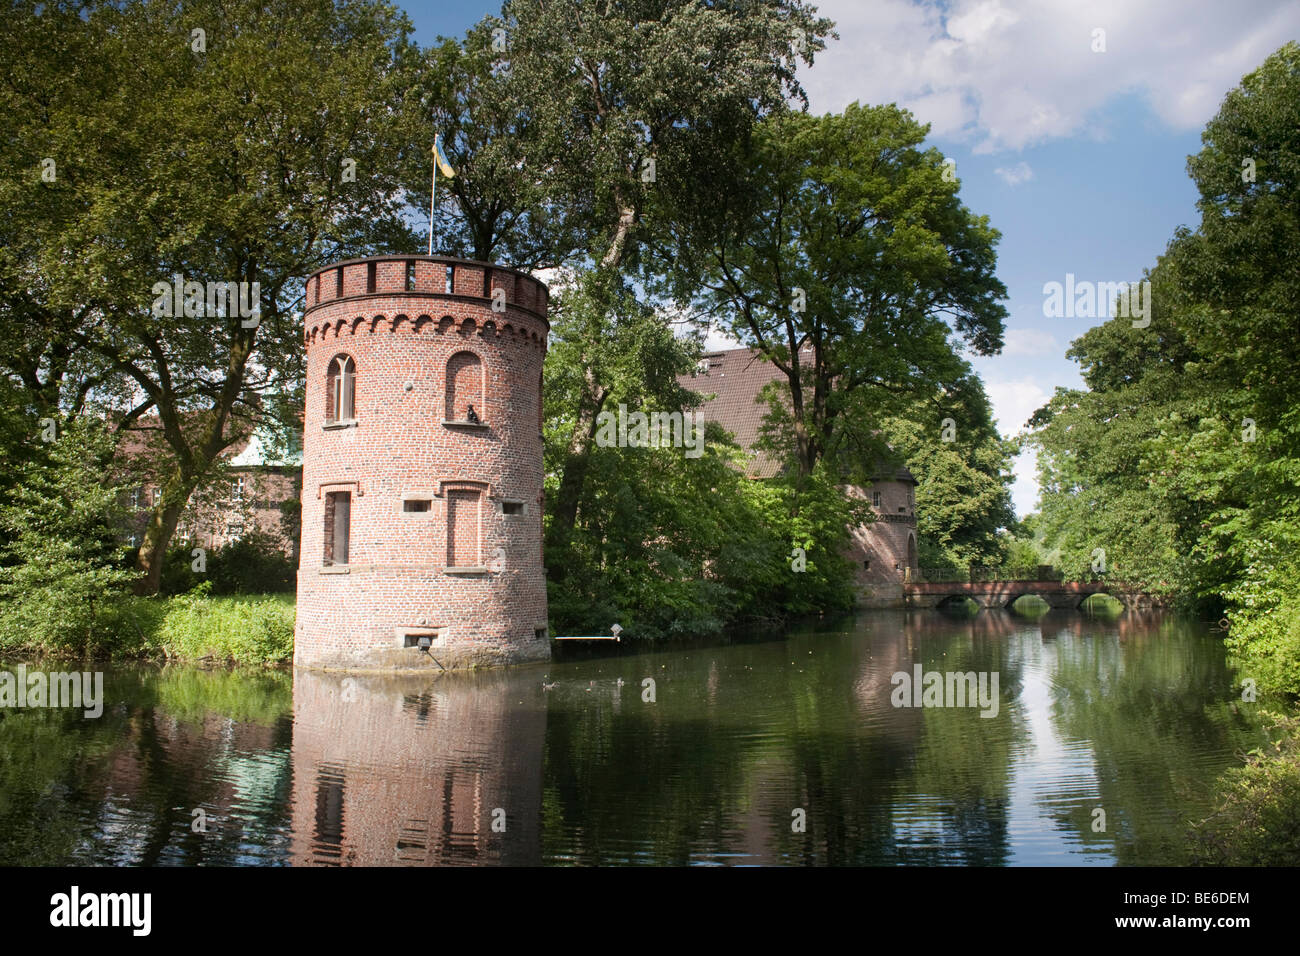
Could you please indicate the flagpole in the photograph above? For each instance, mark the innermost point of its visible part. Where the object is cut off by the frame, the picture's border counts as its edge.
(433, 192)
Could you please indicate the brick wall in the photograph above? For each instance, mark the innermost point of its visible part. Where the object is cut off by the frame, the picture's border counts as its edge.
(880, 549)
(401, 447)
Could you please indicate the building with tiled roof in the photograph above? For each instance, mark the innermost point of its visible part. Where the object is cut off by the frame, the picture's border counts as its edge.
(882, 550)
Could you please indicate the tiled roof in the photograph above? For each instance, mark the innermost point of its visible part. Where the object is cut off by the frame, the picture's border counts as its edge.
(734, 378)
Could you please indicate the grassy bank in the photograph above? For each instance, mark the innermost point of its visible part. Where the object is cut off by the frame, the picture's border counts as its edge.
(240, 629)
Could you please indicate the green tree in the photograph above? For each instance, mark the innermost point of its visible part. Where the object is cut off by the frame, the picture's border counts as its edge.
(624, 108)
(1182, 456)
(843, 258)
(255, 152)
(59, 526)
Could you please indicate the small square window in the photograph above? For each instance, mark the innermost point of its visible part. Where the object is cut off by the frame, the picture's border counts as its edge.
(867, 564)
(539, 633)
(512, 507)
(416, 505)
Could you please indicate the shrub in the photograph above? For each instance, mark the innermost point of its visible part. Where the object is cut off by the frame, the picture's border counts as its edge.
(1257, 814)
(255, 564)
(246, 630)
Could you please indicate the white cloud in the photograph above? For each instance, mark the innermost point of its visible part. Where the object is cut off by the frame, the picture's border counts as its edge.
(1006, 74)
(1029, 342)
(1013, 403)
(1015, 175)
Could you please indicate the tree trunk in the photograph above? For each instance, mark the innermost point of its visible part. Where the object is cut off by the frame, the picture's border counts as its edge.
(569, 495)
(153, 551)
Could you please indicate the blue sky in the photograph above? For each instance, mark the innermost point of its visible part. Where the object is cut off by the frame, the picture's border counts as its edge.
(1077, 154)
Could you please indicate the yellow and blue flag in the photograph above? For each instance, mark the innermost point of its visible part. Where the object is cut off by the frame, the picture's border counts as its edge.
(441, 160)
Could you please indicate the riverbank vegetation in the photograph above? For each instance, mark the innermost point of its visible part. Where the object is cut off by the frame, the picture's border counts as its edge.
(1180, 460)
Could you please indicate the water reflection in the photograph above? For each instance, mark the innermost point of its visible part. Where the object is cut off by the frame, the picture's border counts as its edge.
(417, 770)
(774, 752)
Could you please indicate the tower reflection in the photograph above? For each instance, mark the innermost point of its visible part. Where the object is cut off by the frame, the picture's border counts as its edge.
(417, 770)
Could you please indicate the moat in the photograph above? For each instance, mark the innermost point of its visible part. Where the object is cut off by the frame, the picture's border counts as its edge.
(719, 761)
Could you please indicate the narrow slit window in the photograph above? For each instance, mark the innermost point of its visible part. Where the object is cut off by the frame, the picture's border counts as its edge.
(512, 507)
(338, 522)
(338, 283)
(416, 505)
(410, 275)
(451, 279)
(875, 499)
(370, 276)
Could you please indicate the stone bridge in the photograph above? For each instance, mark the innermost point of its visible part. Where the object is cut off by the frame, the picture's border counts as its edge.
(1003, 593)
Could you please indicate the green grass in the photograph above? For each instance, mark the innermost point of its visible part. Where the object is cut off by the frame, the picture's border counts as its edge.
(251, 629)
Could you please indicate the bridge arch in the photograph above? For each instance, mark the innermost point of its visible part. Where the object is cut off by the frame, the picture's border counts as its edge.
(1102, 591)
(1045, 595)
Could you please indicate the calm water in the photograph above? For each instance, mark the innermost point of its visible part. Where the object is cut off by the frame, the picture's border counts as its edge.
(567, 763)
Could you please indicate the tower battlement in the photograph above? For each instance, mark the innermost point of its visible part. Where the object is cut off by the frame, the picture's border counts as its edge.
(437, 277)
(422, 466)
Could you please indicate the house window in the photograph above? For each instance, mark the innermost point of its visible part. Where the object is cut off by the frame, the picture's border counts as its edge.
(463, 527)
(875, 499)
(338, 520)
(157, 497)
(465, 388)
(866, 564)
(132, 540)
(135, 498)
(512, 507)
(416, 505)
(235, 530)
(237, 488)
(902, 509)
(340, 382)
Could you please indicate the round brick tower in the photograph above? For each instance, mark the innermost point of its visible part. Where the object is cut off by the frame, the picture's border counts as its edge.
(422, 466)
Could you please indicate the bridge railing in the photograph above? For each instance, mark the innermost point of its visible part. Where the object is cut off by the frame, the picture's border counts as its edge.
(981, 573)
(935, 575)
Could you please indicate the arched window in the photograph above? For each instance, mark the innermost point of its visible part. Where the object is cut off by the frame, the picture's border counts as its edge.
(340, 385)
(465, 388)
